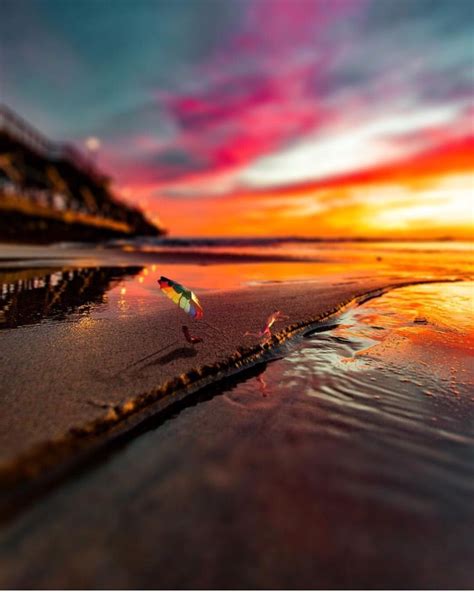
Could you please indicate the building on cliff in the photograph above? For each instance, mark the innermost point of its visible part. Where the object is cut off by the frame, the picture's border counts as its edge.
(50, 192)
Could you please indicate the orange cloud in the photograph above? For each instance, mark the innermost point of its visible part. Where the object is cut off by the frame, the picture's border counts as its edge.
(456, 156)
(427, 195)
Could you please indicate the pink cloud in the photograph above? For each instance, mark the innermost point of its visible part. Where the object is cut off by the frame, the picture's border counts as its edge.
(256, 95)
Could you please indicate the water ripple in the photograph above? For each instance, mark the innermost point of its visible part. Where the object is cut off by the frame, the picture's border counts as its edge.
(390, 387)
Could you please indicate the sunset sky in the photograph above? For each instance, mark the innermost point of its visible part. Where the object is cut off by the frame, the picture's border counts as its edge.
(262, 117)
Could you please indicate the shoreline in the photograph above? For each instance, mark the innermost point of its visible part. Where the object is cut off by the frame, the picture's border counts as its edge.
(20, 256)
(52, 460)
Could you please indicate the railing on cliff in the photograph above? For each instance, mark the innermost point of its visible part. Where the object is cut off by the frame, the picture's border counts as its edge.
(15, 126)
(50, 180)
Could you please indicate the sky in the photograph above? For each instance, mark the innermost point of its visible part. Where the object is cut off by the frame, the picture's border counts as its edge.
(330, 118)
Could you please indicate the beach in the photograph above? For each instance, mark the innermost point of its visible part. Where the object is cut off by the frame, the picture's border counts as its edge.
(83, 375)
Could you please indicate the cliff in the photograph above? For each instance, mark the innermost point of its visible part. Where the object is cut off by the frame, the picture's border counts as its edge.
(51, 192)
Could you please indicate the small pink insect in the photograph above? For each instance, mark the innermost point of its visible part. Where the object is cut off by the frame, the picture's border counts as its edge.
(266, 331)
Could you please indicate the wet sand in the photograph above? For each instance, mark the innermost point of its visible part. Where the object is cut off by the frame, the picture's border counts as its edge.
(85, 255)
(304, 472)
(228, 497)
(64, 384)
(215, 496)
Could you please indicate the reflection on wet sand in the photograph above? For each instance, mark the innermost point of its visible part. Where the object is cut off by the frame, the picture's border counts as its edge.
(30, 296)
